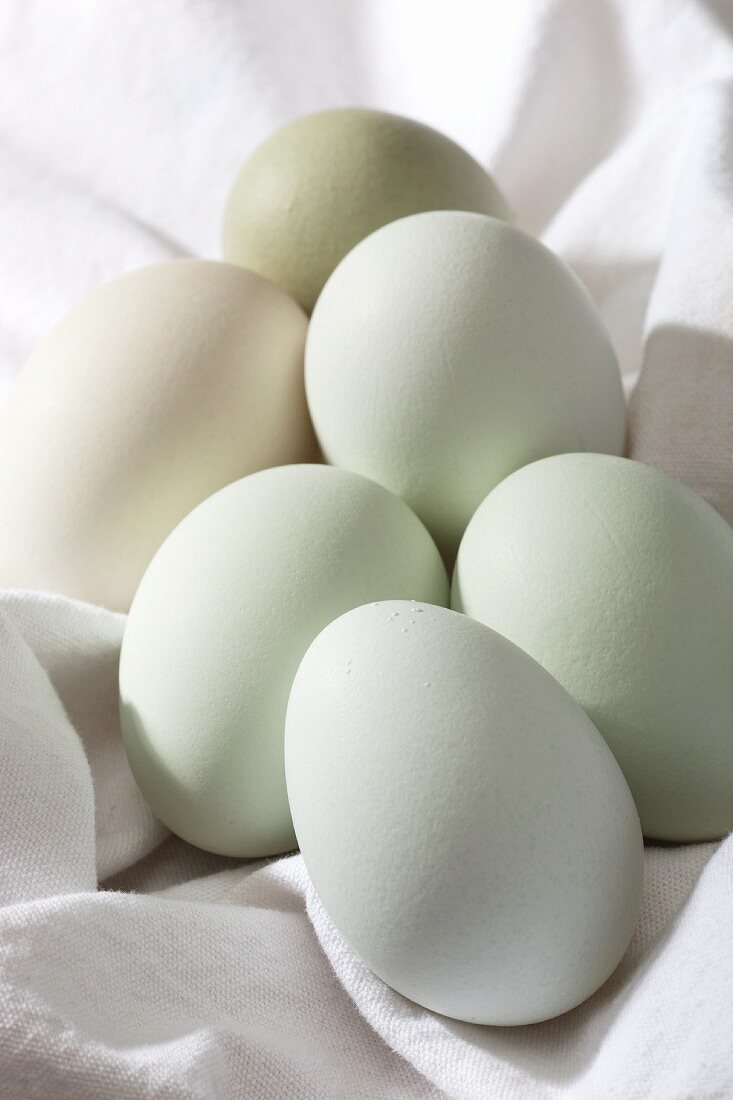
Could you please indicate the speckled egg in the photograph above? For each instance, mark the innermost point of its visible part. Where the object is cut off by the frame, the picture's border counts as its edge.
(619, 581)
(223, 615)
(447, 350)
(464, 824)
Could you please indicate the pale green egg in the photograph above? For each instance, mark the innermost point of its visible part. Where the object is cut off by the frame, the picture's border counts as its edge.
(223, 615)
(322, 183)
(619, 581)
(464, 825)
(448, 349)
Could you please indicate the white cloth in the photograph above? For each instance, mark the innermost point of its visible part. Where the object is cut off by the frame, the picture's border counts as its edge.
(132, 965)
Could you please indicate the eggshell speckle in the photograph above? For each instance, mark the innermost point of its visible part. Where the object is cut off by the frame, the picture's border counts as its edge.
(448, 349)
(324, 182)
(464, 824)
(157, 390)
(222, 617)
(619, 581)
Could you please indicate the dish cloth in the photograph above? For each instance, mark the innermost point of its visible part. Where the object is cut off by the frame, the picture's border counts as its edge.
(132, 965)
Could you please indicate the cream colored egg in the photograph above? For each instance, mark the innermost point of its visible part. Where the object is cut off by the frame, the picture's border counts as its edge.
(160, 388)
(448, 349)
(464, 824)
(619, 581)
(223, 615)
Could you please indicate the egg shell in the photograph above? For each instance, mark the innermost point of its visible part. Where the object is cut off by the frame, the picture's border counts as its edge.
(222, 617)
(464, 824)
(448, 349)
(157, 390)
(325, 181)
(619, 580)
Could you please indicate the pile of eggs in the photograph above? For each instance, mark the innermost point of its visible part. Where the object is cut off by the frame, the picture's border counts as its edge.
(467, 767)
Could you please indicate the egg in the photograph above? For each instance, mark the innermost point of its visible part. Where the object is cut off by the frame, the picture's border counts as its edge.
(160, 388)
(464, 825)
(619, 581)
(222, 617)
(448, 349)
(323, 182)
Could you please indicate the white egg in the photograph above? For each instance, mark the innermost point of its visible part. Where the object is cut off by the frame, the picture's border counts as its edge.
(446, 350)
(619, 581)
(158, 389)
(217, 628)
(463, 822)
